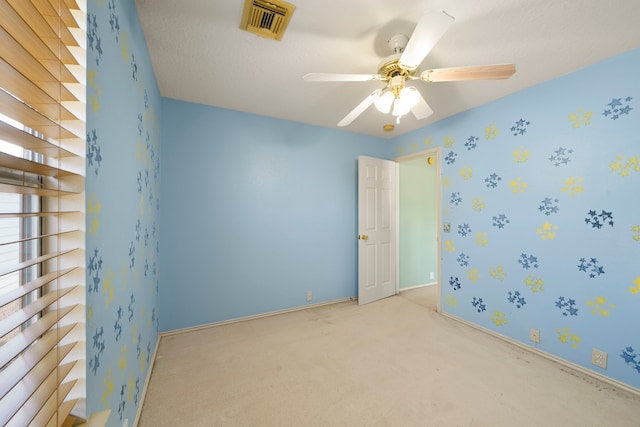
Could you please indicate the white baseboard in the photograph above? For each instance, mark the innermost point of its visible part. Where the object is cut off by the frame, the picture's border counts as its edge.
(577, 368)
(146, 382)
(418, 286)
(256, 316)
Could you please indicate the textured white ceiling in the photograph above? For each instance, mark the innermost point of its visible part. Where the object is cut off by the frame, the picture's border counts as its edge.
(200, 55)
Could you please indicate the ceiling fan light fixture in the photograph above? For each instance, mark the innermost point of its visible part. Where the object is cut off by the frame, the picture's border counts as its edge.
(407, 98)
(384, 102)
(400, 108)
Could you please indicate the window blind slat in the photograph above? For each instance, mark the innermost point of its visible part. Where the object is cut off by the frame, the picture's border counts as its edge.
(27, 387)
(13, 375)
(21, 189)
(31, 118)
(60, 233)
(28, 92)
(63, 412)
(31, 142)
(34, 261)
(51, 65)
(31, 15)
(32, 333)
(38, 72)
(72, 4)
(32, 286)
(27, 312)
(61, 9)
(52, 126)
(49, 11)
(44, 402)
(20, 59)
(34, 214)
(52, 408)
(48, 49)
(45, 168)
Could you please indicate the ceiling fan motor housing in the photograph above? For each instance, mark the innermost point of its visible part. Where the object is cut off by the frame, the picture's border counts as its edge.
(390, 67)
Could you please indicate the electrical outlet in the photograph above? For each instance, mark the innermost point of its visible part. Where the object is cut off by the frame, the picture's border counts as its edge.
(432, 275)
(309, 295)
(534, 335)
(599, 358)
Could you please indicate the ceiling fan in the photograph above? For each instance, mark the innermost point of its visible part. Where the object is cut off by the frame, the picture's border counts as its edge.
(402, 66)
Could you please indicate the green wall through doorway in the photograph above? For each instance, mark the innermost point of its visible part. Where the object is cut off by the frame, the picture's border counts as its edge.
(418, 223)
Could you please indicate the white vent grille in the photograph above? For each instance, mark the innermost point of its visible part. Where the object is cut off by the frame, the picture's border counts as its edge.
(266, 18)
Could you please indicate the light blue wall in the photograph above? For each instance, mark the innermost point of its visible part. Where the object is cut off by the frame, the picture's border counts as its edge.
(418, 223)
(258, 211)
(122, 188)
(541, 190)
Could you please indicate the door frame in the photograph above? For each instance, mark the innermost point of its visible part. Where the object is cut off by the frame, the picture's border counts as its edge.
(437, 153)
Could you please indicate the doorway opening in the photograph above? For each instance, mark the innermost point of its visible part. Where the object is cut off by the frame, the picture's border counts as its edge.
(419, 221)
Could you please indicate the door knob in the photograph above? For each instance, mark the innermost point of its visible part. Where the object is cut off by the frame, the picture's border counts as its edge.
(363, 237)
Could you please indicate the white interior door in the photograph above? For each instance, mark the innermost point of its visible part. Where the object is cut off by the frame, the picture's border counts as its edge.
(377, 229)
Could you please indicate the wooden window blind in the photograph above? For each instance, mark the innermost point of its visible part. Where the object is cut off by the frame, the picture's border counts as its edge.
(42, 168)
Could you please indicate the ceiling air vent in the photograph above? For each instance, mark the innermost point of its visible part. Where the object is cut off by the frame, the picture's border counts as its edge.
(266, 18)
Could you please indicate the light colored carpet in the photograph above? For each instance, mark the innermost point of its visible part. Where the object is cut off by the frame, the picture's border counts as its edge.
(394, 362)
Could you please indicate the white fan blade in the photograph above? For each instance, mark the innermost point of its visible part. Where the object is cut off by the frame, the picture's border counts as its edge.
(360, 108)
(421, 110)
(429, 30)
(330, 77)
(480, 72)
